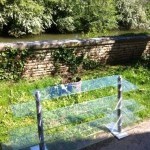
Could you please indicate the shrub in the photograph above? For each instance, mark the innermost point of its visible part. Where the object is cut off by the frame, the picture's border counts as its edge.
(133, 14)
(21, 17)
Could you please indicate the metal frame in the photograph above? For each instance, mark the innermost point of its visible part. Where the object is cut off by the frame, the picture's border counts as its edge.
(41, 145)
(116, 128)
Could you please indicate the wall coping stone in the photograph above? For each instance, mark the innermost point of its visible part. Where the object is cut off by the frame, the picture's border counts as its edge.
(73, 43)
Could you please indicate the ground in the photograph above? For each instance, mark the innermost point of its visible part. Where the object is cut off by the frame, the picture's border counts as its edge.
(138, 139)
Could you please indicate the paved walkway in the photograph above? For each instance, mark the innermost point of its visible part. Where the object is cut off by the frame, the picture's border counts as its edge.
(138, 139)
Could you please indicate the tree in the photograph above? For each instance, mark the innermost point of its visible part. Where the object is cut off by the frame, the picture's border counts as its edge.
(94, 15)
(21, 17)
(133, 14)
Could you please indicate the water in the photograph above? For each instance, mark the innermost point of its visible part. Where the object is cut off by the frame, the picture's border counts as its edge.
(43, 37)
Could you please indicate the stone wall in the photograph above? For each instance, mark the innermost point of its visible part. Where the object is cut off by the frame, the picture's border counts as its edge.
(106, 50)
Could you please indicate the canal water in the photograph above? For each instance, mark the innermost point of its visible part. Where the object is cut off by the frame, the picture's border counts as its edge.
(43, 37)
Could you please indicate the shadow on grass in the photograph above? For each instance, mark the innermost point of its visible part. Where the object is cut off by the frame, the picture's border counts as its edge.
(78, 140)
(5, 147)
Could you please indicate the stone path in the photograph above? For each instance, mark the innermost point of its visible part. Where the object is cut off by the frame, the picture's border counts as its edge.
(138, 139)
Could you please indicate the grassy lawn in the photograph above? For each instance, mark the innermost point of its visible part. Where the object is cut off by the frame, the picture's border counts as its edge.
(18, 92)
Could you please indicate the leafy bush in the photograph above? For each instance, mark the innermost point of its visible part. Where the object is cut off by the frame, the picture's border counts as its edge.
(147, 7)
(12, 63)
(99, 15)
(90, 64)
(133, 14)
(21, 17)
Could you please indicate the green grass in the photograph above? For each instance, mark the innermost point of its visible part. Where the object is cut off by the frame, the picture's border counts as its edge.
(18, 92)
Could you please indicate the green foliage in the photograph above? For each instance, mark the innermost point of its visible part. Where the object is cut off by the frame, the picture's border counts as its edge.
(102, 16)
(12, 63)
(94, 15)
(147, 7)
(20, 92)
(21, 17)
(73, 59)
(65, 24)
(133, 14)
(24, 17)
(67, 57)
(2, 2)
(146, 60)
(90, 64)
(34, 16)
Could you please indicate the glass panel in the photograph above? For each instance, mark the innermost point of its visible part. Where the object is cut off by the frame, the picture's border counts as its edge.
(29, 108)
(81, 129)
(73, 126)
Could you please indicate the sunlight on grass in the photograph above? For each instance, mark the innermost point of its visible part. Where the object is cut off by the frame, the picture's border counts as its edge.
(21, 91)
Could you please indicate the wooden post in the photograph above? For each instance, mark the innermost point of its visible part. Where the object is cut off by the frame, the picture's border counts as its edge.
(39, 121)
(119, 113)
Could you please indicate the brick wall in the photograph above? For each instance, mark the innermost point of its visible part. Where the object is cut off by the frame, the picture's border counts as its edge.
(109, 50)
